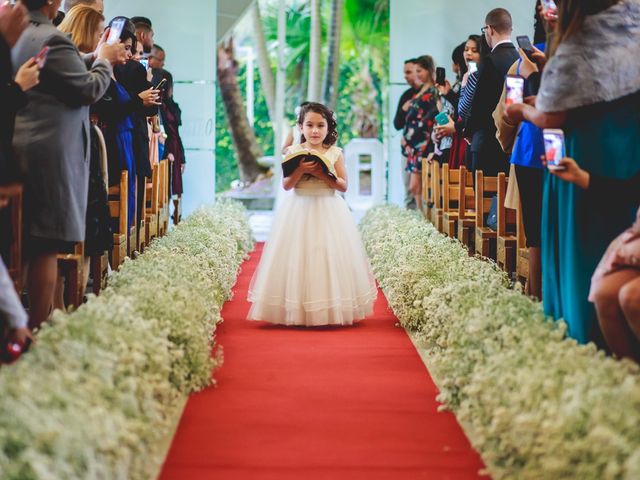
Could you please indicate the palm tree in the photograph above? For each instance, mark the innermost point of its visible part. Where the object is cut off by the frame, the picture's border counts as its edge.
(244, 139)
(368, 32)
(315, 50)
(264, 62)
(332, 68)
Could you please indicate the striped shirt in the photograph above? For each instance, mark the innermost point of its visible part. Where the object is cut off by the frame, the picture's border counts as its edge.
(466, 96)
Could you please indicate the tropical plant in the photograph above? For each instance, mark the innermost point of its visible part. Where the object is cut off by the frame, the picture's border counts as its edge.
(244, 139)
(332, 67)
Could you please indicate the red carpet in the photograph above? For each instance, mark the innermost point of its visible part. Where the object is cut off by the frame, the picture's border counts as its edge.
(311, 404)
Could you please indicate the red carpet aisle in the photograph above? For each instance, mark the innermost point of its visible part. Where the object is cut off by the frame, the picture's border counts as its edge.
(312, 404)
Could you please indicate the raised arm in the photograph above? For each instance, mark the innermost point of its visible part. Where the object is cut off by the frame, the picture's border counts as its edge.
(66, 74)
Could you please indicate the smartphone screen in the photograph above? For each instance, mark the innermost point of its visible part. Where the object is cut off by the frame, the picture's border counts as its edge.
(145, 63)
(473, 67)
(553, 147)
(440, 76)
(514, 86)
(549, 5)
(41, 57)
(115, 31)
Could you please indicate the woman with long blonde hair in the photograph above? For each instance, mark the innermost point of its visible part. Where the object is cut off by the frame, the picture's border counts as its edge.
(85, 24)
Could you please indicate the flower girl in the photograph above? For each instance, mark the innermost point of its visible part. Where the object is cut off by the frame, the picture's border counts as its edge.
(314, 270)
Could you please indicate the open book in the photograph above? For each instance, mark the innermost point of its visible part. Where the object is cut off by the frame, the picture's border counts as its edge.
(291, 162)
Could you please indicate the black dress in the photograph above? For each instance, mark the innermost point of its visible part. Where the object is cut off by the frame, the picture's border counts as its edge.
(98, 236)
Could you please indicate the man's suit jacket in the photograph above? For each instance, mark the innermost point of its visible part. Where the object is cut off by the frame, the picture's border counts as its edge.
(491, 74)
(52, 132)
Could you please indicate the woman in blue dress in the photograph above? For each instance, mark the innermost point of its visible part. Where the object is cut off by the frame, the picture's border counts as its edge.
(115, 111)
(591, 90)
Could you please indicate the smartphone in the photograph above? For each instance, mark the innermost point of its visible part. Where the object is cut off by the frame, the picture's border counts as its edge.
(549, 5)
(442, 118)
(525, 44)
(41, 57)
(115, 31)
(473, 67)
(161, 84)
(441, 76)
(145, 63)
(554, 148)
(514, 86)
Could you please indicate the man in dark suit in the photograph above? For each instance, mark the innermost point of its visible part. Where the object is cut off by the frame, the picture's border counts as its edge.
(399, 120)
(486, 153)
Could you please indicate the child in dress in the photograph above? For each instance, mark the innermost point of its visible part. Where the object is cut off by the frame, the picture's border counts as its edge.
(615, 285)
(314, 270)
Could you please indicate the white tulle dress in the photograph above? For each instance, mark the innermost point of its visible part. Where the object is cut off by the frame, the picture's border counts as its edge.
(314, 270)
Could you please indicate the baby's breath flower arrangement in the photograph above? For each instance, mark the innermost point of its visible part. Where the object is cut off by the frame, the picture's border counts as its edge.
(99, 393)
(533, 403)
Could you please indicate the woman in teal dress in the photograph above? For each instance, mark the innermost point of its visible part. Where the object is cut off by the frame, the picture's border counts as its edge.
(591, 89)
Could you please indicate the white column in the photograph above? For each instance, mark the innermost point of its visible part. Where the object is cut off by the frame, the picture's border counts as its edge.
(188, 35)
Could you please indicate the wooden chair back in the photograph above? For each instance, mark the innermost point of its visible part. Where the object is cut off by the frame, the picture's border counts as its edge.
(486, 189)
(466, 194)
(15, 193)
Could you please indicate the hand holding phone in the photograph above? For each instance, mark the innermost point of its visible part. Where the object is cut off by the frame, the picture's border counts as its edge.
(115, 30)
(525, 44)
(442, 118)
(554, 147)
(514, 88)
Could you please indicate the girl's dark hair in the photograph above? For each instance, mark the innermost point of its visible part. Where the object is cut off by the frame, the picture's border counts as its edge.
(457, 57)
(128, 32)
(327, 114)
(481, 45)
(33, 5)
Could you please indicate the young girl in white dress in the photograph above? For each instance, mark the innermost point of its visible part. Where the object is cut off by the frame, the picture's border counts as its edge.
(314, 270)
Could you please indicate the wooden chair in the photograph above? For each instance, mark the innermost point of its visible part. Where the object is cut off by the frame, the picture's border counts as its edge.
(450, 197)
(466, 210)
(427, 193)
(163, 215)
(151, 206)
(436, 192)
(99, 271)
(132, 244)
(142, 228)
(15, 192)
(522, 255)
(486, 189)
(507, 240)
(71, 267)
(118, 210)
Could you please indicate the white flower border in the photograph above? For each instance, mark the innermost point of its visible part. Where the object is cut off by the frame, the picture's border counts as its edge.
(534, 404)
(99, 394)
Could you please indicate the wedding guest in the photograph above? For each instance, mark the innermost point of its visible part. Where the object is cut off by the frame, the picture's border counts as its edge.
(486, 153)
(600, 124)
(400, 119)
(51, 138)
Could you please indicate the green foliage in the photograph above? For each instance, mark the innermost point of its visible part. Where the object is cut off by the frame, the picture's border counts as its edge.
(226, 162)
(364, 46)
